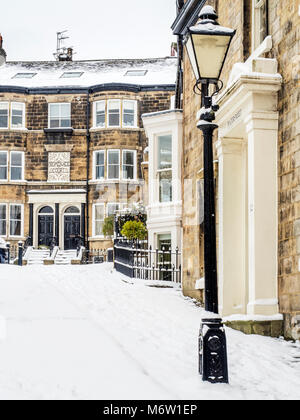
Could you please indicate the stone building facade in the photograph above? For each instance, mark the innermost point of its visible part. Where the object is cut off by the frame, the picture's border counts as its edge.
(257, 153)
(72, 143)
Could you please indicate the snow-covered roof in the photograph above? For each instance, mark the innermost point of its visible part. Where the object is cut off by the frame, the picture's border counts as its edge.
(84, 74)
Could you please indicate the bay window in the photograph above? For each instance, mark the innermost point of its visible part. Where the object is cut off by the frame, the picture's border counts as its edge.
(60, 115)
(99, 161)
(15, 219)
(3, 166)
(129, 114)
(99, 112)
(98, 218)
(113, 164)
(114, 107)
(129, 164)
(3, 219)
(164, 168)
(116, 113)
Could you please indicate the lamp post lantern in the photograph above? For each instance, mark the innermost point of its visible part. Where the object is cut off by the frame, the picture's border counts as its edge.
(207, 45)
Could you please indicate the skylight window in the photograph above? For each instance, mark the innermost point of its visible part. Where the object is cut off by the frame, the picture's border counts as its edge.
(136, 73)
(24, 75)
(71, 75)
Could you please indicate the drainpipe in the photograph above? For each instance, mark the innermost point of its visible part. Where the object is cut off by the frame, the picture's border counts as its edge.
(88, 139)
(179, 81)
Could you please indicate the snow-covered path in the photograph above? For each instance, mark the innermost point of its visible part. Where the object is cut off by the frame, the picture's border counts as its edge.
(88, 333)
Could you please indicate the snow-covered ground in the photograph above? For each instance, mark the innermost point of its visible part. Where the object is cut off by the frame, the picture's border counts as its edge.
(86, 332)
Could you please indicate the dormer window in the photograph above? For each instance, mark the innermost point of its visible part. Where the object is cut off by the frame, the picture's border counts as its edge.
(60, 115)
(24, 75)
(71, 75)
(136, 73)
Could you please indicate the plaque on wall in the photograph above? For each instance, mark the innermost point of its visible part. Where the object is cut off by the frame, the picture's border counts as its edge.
(58, 167)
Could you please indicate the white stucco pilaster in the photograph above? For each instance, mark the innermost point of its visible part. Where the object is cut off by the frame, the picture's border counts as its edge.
(262, 131)
(232, 226)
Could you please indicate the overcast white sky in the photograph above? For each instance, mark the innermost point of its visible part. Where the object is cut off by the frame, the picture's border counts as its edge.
(97, 28)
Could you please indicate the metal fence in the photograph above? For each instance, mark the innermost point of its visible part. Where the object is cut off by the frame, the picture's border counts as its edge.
(12, 254)
(96, 256)
(137, 260)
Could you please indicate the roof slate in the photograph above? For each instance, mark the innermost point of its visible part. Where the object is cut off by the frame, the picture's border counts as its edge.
(160, 71)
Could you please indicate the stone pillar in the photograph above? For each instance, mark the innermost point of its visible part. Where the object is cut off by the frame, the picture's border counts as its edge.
(232, 226)
(263, 209)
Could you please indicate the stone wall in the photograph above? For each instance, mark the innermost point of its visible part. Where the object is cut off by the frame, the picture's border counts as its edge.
(284, 28)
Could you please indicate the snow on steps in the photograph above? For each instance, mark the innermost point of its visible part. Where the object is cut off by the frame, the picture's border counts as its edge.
(65, 257)
(37, 256)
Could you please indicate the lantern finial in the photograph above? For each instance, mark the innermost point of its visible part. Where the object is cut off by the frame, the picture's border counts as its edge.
(208, 13)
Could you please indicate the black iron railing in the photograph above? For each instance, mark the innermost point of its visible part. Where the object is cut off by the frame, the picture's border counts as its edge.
(94, 256)
(137, 260)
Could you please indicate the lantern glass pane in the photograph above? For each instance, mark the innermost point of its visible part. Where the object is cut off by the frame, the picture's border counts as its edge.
(210, 52)
(191, 54)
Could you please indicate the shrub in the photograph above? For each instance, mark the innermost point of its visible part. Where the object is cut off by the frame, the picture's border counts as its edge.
(133, 230)
(108, 226)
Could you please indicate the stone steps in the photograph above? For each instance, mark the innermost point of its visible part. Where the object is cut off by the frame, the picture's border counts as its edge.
(37, 257)
(65, 257)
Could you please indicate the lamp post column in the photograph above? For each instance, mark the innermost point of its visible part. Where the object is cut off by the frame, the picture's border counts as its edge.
(210, 244)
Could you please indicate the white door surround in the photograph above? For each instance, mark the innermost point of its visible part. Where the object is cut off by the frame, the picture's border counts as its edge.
(65, 199)
(248, 193)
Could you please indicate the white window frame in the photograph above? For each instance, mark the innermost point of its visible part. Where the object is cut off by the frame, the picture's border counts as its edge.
(256, 23)
(135, 114)
(59, 118)
(107, 165)
(22, 220)
(7, 166)
(160, 171)
(108, 114)
(134, 165)
(23, 115)
(6, 218)
(94, 165)
(95, 114)
(8, 107)
(22, 167)
(98, 220)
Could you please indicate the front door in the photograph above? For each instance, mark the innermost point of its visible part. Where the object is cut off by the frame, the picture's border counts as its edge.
(72, 231)
(45, 230)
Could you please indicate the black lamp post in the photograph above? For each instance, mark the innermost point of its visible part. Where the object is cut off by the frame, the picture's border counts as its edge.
(207, 46)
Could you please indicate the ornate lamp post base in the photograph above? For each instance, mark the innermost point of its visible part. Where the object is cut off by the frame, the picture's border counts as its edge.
(213, 364)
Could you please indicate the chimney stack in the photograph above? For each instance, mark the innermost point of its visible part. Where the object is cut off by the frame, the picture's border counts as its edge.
(2, 52)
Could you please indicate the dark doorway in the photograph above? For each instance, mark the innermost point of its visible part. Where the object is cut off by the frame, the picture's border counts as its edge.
(71, 228)
(45, 226)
